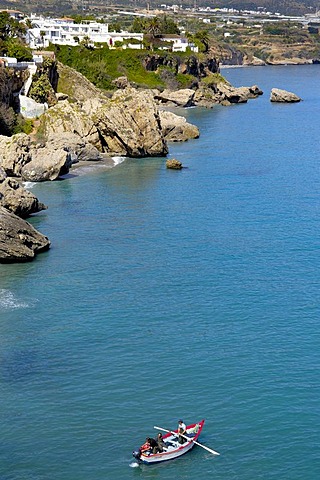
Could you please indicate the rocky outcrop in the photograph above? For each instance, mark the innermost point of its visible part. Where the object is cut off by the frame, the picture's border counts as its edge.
(47, 164)
(282, 96)
(129, 124)
(16, 199)
(77, 146)
(76, 86)
(67, 117)
(174, 164)
(11, 81)
(14, 153)
(19, 241)
(191, 66)
(224, 94)
(21, 158)
(176, 128)
(205, 97)
(181, 98)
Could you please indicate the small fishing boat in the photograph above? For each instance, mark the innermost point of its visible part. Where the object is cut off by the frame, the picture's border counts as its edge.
(173, 449)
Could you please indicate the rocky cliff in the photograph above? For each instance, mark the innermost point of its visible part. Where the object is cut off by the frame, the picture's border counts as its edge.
(130, 122)
(11, 82)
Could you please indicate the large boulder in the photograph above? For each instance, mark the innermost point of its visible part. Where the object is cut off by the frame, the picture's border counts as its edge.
(129, 124)
(181, 98)
(80, 149)
(15, 198)
(67, 117)
(14, 153)
(19, 241)
(227, 95)
(250, 92)
(174, 164)
(176, 128)
(48, 163)
(282, 96)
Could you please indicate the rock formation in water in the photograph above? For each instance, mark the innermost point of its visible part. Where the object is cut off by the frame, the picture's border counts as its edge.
(282, 96)
(174, 164)
(176, 128)
(19, 241)
(17, 199)
(129, 124)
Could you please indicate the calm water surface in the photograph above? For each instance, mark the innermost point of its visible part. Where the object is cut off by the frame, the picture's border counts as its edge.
(167, 294)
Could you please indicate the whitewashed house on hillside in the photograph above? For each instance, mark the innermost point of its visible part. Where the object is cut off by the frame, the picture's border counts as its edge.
(63, 31)
(179, 44)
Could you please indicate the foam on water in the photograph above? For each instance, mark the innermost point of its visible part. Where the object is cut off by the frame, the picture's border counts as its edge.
(134, 464)
(29, 185)
(118, 160)
(9, 301)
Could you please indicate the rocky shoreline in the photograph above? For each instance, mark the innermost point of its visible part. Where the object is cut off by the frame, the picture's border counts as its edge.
(130, 123)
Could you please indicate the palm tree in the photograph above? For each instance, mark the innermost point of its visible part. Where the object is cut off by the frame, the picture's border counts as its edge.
(154, 27)
(28, 23)
(42, 35)
(203, 37)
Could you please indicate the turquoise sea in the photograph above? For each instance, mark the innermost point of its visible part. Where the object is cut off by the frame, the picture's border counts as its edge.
(167, 295)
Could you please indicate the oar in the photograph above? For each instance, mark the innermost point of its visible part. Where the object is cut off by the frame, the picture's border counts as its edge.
(189, 439)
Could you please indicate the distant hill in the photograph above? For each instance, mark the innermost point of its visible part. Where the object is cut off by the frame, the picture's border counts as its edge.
(292, 7)
(286, 7)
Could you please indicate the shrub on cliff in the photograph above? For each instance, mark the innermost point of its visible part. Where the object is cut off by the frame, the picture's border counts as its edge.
(7, 119)
(12, 123)
(41, 89)
(101, 66)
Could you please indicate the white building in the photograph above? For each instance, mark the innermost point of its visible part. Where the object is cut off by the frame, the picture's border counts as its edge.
(65, 32)
(179, 44)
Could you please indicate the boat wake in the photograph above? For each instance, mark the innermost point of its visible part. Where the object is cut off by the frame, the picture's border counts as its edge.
(134, 464)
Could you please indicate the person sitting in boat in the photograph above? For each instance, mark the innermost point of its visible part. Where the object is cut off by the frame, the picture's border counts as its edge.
(161, 445)
(146, 447)
(182, 430)
(153, 445)
(150, 446)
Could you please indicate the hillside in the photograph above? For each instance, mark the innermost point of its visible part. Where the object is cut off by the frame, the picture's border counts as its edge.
(286, 7)
(52, 7)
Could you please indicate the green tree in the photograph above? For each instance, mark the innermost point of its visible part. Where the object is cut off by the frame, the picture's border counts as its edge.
(139, 25)
(204, 38)
(16, 48)
(42, 35)
(168, 26)
(28, 23)
(115, 27)
(154, 27)
(10, 28)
